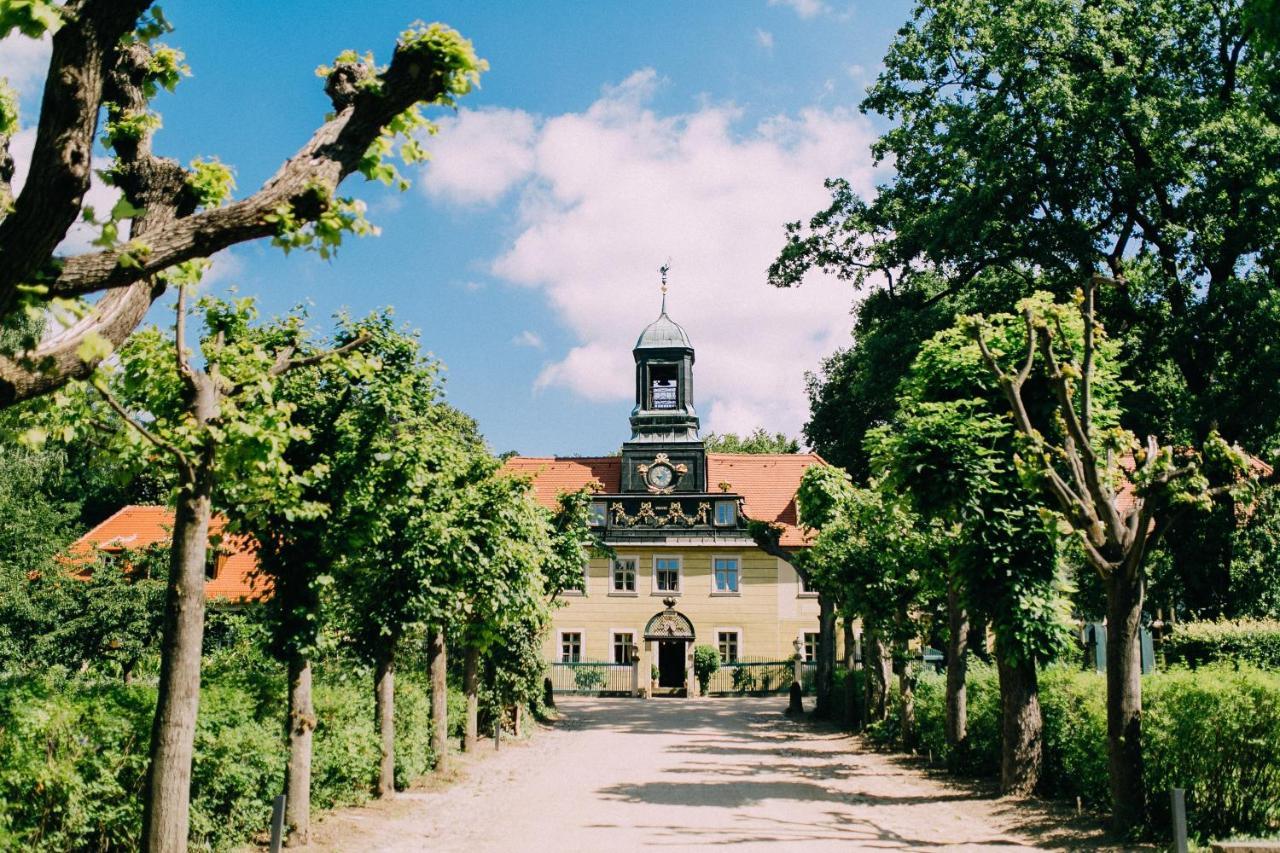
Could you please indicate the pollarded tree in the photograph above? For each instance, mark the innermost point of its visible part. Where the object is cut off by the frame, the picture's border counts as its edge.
(949, 448)
(1116, 494)
(217, 427)
(414, 464)
(349, 409)
(107, 59)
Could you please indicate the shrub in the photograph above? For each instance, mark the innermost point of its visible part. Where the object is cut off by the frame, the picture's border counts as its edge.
(706, 660)
(743, 680)
(1214, 732)
(588, 677)
(73, 756)
(1198, 643)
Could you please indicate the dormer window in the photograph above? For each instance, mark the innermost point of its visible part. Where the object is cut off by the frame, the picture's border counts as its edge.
(598, 514)
(663, 385)
(726, 513)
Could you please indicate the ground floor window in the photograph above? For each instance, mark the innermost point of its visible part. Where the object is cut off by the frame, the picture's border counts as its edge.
(810, 646)
(622, 643)
(727, 641)
(570, 646)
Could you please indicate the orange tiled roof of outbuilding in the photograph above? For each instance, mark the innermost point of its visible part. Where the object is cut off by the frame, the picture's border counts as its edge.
(767, 482)
(137, 526)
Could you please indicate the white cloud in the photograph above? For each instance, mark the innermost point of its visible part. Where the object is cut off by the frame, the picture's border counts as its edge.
(615, 190)
(24, 62)
(765, 39)
(528, 338)
(225, 266)
(494, 145)
(803, 8)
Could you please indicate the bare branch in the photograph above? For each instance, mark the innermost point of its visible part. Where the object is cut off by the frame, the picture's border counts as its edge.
(151, 437)
(185, 370)
(306, 361)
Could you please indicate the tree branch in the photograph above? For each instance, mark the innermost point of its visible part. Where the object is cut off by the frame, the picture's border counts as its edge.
(303, 184)
(147, 434)
(61, 162)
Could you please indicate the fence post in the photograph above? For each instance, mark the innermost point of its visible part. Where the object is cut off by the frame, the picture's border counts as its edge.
(1178, 801)
(277, 824)
(497, 732)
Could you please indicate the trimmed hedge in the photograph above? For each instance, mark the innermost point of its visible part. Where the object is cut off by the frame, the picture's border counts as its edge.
(1214, 732)
(73, 757)
(1198, 643)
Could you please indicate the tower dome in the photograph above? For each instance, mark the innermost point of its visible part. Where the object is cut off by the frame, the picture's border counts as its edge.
(663, 333)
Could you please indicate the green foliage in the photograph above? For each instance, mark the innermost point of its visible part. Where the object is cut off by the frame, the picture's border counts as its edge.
(1214, 732)
(8, 114)
(588, 677)
(706, 661)
(73, 757)
(31, 18)
(759, 441)
(210, 181)
(1194, 644)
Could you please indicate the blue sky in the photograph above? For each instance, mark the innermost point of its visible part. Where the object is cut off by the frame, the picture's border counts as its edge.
(606, 138)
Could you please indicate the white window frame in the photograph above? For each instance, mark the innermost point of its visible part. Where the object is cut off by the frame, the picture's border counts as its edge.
(604, 514)
(735, 631)
(635, 579)
(679, 574)
(804, 645)
(715, 590)
(613, 639)
(582, 644)
(733, 509)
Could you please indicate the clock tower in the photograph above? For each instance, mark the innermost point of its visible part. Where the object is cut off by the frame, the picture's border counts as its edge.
(665, 455)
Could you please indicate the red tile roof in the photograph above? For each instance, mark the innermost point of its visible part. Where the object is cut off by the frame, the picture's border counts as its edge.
(767, 482)
(140, 526)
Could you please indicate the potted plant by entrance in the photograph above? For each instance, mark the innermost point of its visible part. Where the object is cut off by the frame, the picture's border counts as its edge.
(653, 676)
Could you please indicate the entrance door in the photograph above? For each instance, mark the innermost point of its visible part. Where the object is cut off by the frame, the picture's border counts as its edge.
(671, 663)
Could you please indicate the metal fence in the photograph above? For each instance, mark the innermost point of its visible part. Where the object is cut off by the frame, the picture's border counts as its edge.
(752, 677)
(593, 677)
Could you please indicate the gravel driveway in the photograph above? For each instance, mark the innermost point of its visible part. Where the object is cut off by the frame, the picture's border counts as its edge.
(625, 774)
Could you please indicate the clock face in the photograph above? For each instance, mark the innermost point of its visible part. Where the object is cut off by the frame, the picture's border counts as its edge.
(660, 476)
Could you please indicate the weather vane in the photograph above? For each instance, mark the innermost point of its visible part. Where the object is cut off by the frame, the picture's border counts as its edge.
(663, 270)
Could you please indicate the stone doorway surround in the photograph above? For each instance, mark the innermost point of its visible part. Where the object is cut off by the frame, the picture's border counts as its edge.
(664, 630)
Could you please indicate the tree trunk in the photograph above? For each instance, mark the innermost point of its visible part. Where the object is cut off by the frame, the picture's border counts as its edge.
(469, 665)
(1124, 699)
(166, 810)
(850, 644)
(826, 668)
(302, 722)
(437, 664)
(1021, 726)
(875, 663)
(385, 714)
(957, 669)
(906, 695)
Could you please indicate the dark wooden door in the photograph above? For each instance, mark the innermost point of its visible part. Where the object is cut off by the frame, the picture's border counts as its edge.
(671, 663)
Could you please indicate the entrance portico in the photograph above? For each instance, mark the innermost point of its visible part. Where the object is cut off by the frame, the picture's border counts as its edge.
(668, 641)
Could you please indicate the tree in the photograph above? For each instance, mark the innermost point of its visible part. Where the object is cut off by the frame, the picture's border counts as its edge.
(220, 431)
(403, 574)
(1050, 141)
(348, 410)
(106, 60)
(759, 441)
(950, 450)
(1117, 495)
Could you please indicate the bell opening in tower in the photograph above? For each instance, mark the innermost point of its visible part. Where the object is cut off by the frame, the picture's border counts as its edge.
(663, 383)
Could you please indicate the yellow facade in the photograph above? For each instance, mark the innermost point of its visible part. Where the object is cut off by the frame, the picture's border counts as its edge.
(768, 613)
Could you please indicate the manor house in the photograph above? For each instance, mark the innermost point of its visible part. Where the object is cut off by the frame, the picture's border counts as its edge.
(686, 570)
